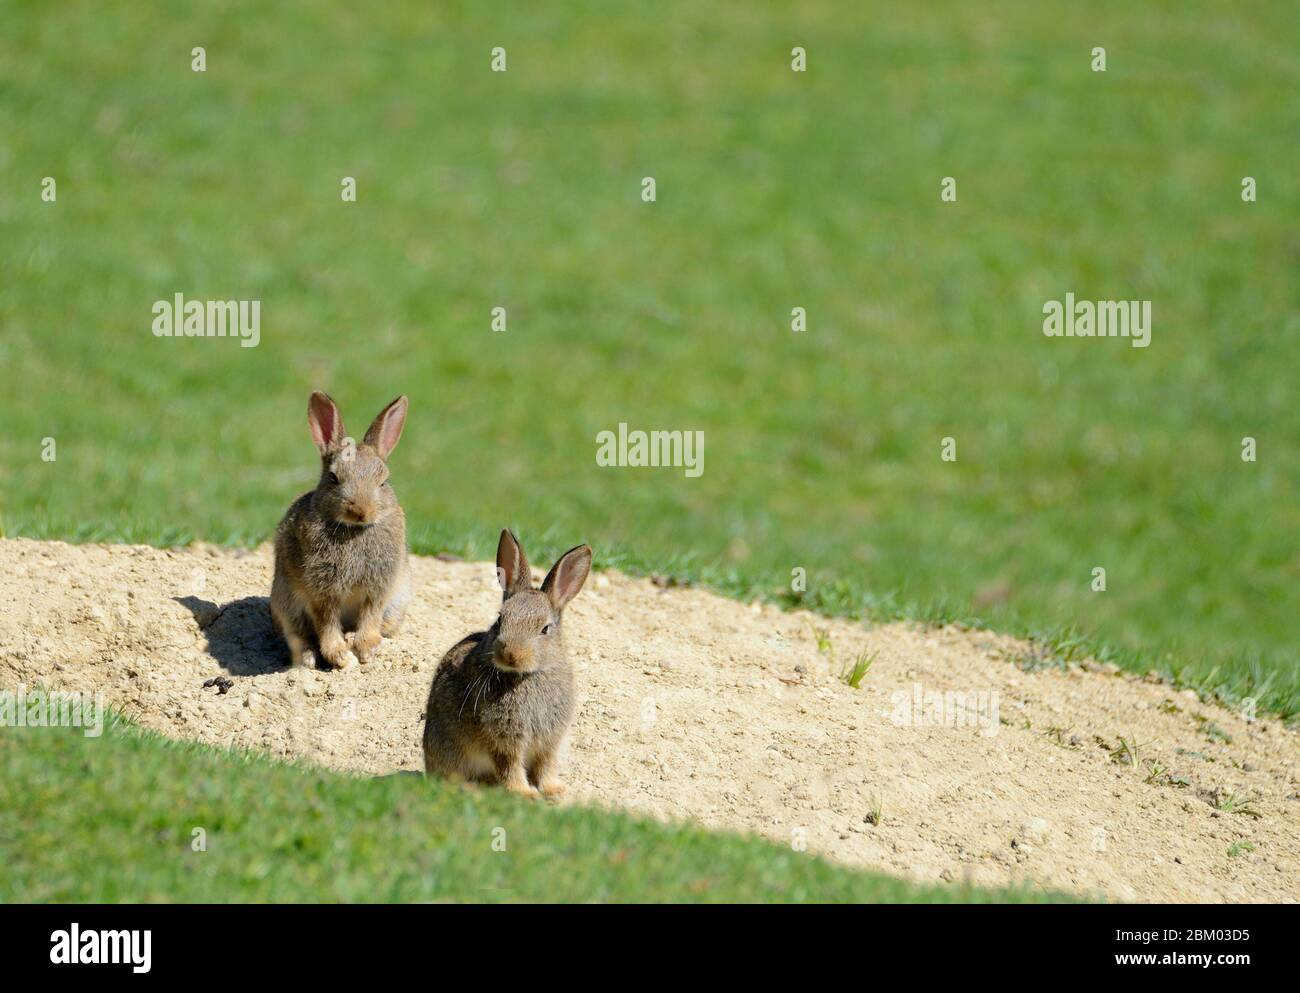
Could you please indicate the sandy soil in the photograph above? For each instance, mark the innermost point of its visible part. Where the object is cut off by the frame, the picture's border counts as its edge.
(695, 706)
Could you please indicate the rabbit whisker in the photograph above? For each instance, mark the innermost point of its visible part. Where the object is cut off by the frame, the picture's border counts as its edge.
(476, 688)
(488, 678)
(464, 700)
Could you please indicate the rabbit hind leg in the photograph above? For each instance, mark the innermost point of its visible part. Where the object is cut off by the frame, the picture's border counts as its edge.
(544, 770)
(295, 628)
(395, 609)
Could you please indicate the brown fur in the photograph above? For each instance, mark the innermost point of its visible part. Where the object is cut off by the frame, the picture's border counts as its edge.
(502, 700)
(342, 581)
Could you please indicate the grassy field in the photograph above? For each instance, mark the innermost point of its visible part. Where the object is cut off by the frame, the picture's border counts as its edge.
(775, 190)
(133, 817)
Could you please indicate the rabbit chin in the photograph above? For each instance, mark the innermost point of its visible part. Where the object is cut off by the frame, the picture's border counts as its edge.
(347, 521)
(535, 665)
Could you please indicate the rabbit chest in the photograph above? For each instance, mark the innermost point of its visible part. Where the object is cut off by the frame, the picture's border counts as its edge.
(534, 707)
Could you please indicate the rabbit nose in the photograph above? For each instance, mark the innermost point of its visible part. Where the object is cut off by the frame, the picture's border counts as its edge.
(508, 657)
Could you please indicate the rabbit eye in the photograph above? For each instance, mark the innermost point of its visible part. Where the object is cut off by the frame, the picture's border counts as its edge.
(546, 629)
(334, 479)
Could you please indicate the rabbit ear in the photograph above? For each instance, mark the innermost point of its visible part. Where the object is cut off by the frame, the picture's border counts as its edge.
(567, 576)
(386, 429)
(512, 565)
(326, 423)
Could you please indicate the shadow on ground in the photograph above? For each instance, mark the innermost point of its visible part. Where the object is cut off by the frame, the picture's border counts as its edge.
(240, 634)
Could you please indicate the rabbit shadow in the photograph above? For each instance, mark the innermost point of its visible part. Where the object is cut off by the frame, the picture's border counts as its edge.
(240, 634)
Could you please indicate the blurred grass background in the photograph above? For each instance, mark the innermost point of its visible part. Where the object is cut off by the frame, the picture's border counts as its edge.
(775, 189)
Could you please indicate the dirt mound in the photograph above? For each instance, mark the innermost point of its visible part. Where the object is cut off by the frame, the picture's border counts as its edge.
(695, 706)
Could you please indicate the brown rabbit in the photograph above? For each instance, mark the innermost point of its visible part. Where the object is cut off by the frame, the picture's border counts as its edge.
(502, 699)
(340, 552)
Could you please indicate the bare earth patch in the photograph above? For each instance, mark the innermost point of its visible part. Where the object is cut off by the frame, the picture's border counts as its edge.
(695, 706)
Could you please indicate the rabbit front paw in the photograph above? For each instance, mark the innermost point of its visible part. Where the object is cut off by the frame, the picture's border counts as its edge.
(341, 660)
(551, 789)
(363, 644)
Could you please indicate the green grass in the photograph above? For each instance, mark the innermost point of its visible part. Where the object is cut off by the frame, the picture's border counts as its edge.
(114, 819)
(852, 673)
(775, 190)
